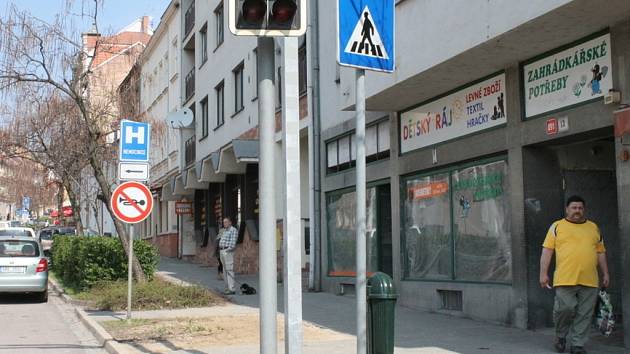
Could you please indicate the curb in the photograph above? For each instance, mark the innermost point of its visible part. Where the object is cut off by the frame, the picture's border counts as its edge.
(102, 336)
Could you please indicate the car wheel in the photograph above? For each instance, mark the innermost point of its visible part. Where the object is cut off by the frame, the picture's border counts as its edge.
(43, 296)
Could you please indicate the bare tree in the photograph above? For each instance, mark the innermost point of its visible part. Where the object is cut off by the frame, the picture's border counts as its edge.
(48, 133)
(48, 59)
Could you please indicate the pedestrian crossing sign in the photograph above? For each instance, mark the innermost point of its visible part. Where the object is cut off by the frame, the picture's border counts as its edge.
(365, 30)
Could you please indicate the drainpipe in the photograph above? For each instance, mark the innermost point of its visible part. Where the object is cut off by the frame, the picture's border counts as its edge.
(314, 108)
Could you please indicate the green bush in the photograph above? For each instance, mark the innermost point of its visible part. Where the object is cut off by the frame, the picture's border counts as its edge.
(81, 262)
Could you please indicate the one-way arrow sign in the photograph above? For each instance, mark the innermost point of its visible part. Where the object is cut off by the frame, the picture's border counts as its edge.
(133, 171)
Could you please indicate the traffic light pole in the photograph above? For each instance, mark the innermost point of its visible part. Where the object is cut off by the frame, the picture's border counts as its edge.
(361, 285)
(292, 239)
(268, 278)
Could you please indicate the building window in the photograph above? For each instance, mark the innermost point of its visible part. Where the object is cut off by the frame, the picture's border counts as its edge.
(238, 88)
(279, 85)
(203, 38)
(342, 151)
(204, 117)
(218, 15)
(456, 225)
(220, 104)
(302, 69)
(341, 216)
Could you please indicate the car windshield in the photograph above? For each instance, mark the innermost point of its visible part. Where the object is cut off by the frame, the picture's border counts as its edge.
(66, 231)
(18, 248)
(45, 235)
(8, 232)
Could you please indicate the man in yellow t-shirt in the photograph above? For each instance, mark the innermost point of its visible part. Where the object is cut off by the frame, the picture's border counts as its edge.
(579, 249)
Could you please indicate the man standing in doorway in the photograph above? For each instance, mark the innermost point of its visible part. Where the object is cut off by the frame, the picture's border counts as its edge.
(579, 249)
(227, 246)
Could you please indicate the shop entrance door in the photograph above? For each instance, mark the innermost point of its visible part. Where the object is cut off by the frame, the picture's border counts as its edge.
(599, 190)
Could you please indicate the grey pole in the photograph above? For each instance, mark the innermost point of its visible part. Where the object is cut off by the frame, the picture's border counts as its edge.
(268, 278)
(130, 272)
(361, 243)
(292, 239)
(312, 47)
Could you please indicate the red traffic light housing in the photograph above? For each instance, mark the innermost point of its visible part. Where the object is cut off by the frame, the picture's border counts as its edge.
(267, 17)
(283, 13)
(254, 11)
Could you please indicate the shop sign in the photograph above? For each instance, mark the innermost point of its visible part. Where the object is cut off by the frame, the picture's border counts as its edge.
(428, 190)
(183, 208)
(478, 107)
(575, 75)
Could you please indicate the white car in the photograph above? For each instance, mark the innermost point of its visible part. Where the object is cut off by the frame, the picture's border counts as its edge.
(17, 231)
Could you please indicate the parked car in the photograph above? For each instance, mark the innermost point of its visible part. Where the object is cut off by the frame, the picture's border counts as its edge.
(46, 236)
(23, 267)
(17, 231)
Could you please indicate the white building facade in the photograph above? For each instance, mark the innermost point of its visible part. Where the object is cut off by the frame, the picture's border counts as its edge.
(160, 94)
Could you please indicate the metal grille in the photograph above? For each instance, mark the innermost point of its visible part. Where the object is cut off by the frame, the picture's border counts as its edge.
(451, 300)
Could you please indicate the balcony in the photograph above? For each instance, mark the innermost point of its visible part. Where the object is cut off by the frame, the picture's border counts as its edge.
(190, 84)
(189, 19)
(190, 151)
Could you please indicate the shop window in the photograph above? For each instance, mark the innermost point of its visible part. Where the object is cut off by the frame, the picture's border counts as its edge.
(341, 215)
(342, 152)
(456, 225)
(427, 228)
(481, 223)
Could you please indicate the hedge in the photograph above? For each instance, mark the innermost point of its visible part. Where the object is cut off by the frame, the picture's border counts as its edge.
(81, 262)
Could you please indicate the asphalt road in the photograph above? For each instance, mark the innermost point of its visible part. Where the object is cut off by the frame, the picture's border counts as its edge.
(30, 327)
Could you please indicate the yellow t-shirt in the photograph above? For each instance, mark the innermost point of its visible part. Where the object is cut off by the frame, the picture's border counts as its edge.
(576, 247)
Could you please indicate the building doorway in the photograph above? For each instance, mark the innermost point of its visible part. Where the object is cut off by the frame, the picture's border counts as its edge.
(580, 165)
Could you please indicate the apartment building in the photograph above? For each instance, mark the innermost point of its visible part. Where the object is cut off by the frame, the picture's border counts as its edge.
(160, 94)
(110, 59)
(217, 174)
(494, 116)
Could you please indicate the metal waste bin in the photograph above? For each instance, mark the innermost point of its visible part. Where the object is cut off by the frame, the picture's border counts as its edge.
(381, 298)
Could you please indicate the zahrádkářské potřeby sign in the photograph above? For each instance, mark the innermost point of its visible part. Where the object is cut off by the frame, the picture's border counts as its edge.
(477, 107)
(571, 76)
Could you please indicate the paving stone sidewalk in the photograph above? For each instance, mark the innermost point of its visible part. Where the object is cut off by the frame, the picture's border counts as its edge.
(416, 331)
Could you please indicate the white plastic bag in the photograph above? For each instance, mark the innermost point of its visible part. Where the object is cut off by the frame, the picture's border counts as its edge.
(605, 317)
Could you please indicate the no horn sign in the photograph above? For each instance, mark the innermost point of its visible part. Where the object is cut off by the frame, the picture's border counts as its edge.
(132, 202)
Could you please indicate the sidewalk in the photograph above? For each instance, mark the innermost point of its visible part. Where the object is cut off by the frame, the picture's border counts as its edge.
(416, 331)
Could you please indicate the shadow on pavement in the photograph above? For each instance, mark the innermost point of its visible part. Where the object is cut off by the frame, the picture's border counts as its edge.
(414, 328)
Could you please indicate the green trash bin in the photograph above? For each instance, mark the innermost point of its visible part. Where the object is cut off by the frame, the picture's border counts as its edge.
(381, 298)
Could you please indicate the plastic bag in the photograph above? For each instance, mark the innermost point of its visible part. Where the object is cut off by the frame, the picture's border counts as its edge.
(605, 318)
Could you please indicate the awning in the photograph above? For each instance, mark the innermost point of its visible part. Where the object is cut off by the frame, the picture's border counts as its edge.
(246, 150)
(192, 182)
(206, 171)
(236, 156)
(177, 185)
(67, 211)
(167, 193)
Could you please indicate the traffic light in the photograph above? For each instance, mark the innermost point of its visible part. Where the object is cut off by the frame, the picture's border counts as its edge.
(267, 18)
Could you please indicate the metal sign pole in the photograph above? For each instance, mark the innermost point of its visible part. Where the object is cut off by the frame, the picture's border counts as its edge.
(130, 272)
(268, 277)
(361, 241)
(292, 226)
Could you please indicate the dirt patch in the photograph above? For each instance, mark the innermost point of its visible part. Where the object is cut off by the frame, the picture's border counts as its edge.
(207, 331)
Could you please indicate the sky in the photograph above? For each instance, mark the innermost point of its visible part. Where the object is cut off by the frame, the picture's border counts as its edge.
(113, 15)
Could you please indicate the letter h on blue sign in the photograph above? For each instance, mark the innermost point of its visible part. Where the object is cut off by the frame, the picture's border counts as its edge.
(134, 141)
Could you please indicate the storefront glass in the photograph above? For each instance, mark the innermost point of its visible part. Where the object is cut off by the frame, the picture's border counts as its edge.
(456, 225)
(427, 229)
(341, 215)
(481, 225)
